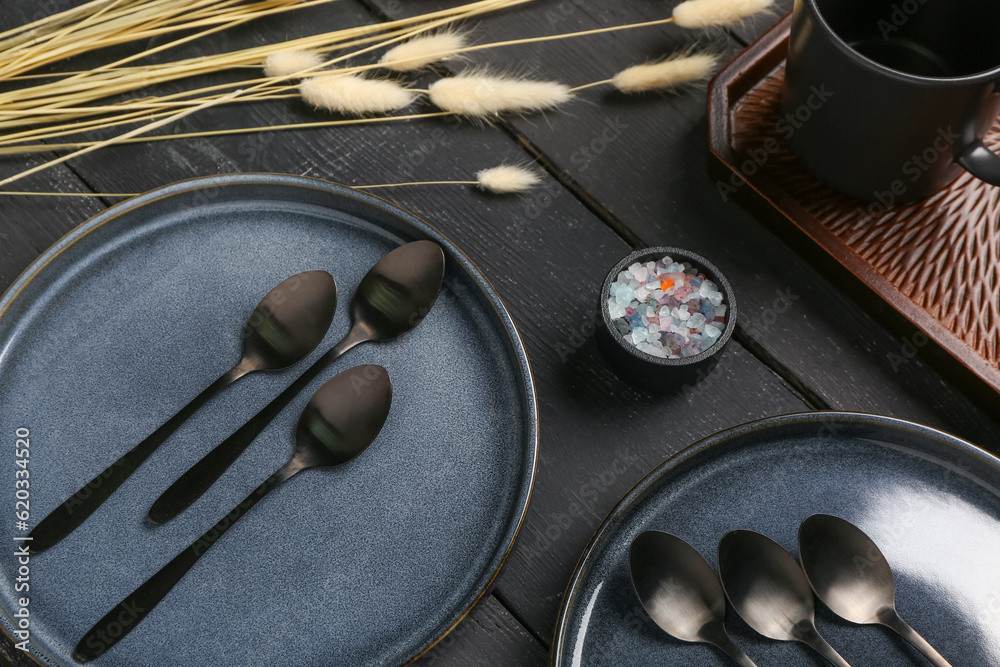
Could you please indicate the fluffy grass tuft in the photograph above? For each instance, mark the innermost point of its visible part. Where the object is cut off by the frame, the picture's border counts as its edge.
(291, 62)
(670, 73)
(507, 179)
(354, 95)
(486, 96)
(423, 51)
(713, 13)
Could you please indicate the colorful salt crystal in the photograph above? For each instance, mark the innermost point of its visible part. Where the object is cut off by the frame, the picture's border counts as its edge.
(667, 309)
(623, 293)
(615, 309)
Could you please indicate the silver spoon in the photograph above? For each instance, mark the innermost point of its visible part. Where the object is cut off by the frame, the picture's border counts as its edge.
(852, 577)
(283, 329)
(341, 419)
(769, 591)
(680, 592)
(392, 299)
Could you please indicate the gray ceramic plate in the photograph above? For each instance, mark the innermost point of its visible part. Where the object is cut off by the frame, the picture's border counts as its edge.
(930, 501)
(108, 334)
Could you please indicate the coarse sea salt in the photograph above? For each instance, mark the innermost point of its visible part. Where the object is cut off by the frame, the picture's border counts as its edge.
(667, 309)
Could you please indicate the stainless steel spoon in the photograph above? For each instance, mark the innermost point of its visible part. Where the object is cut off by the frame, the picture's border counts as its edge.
(283, 329)
(769, 591)
(341, 419)
(852, 577)
(680, 592)
(392, 299)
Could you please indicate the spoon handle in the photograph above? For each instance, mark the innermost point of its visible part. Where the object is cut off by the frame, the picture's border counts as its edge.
(199, 477)
(892, 620)
(136, 606)
(726, 645)
(813, 640)
(66, 518)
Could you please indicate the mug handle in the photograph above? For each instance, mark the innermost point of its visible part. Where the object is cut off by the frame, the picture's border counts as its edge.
(979, 161)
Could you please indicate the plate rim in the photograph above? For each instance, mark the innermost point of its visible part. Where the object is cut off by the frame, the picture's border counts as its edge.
(525, 380)
(705, 447)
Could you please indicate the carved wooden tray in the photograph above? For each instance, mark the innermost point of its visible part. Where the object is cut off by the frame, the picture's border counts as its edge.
(936, 261)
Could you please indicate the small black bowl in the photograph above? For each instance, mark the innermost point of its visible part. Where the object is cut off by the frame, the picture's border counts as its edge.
(648, 371)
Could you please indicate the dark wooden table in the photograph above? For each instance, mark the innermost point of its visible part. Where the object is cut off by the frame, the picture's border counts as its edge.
(619, 173)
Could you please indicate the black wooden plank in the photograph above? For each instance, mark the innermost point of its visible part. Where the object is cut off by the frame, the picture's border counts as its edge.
(488, 637)
(29, 225)
(10, 656)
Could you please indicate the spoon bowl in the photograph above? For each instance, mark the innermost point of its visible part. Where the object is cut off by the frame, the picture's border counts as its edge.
(680, 591)
(290, 321)
(342, 418)
(850, 575)
(398, 291)
(769, 591)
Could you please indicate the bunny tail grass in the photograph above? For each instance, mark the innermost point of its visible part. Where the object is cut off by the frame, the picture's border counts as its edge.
(711, 13)
(669, 73)
(354, 95)
(422, 51)
(291, 62)
(485, 96)
(507, 179)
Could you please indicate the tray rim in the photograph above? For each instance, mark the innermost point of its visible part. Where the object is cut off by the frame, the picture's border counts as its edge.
(185, 186)
(706, 447)
(725, 89)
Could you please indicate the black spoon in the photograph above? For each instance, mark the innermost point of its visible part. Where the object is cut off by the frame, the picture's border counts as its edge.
(680, 592)
(769, 591)
(339, 422)
(285, 327)
(853, 578)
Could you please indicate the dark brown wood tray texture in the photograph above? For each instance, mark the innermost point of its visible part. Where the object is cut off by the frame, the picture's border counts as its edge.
(936, 261)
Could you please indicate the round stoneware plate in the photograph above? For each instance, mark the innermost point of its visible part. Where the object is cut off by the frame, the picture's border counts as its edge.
(132, 314)
(930, 501)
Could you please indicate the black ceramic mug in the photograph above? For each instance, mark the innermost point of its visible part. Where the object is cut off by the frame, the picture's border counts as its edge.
(888, 100)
